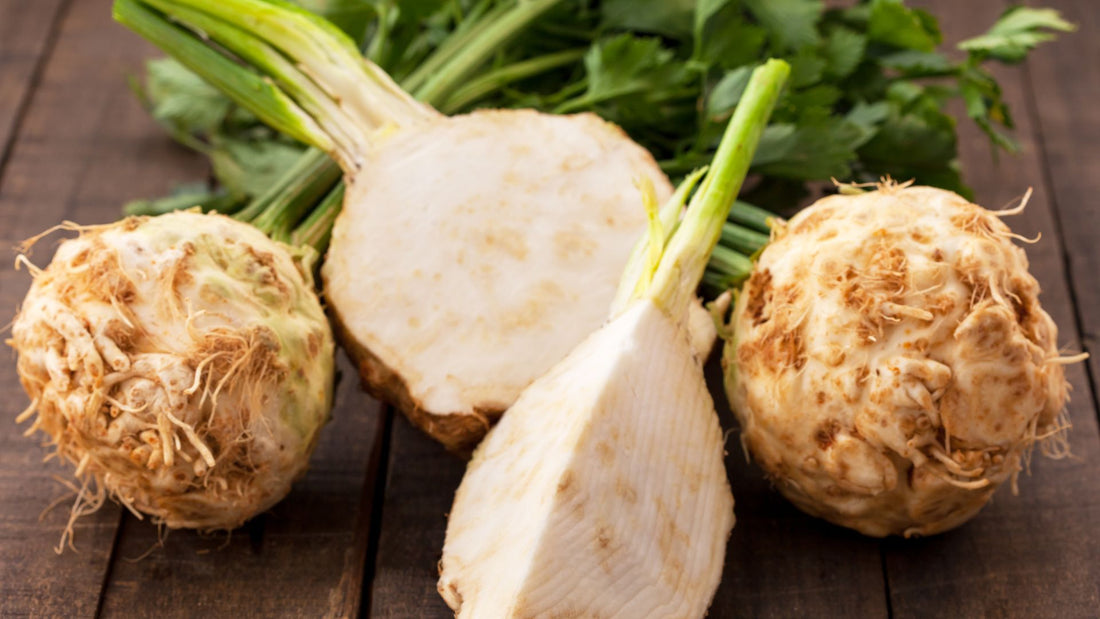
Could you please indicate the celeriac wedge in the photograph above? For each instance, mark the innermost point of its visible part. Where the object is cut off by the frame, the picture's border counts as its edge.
(607, 470)
(602, 492)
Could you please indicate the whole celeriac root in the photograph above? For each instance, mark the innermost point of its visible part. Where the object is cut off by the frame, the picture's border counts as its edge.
(890, 363)
(182, 363)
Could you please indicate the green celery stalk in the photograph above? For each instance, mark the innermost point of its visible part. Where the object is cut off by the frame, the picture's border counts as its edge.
(246, 87)
(742, 239)
(265, 32)
(687, 250)
(492, 81)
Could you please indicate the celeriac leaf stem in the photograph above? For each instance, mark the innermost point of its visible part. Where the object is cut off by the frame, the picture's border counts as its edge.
(263, 33)
(689, 247)
(491, 81)
(245, 86)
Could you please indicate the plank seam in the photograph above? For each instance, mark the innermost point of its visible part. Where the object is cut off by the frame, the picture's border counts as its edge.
(1056, 214)
(378, 503)
(37, 72)
(111, 560)
(885, 580)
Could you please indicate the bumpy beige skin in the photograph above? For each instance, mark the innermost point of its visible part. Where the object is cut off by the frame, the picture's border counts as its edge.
(474, 252)
(183, 363)
(891, 365)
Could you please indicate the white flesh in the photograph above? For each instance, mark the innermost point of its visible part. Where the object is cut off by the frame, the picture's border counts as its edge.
(475, 252)
(602, 492)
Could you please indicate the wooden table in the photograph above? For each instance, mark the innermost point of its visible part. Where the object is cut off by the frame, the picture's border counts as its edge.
(361, 534)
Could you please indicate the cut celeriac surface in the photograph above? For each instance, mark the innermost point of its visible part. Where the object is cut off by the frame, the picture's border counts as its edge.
(602, 492)
(472, 252)
(490, 244)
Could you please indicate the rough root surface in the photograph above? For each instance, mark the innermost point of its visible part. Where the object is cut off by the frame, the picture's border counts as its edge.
(891, 365)
(182, 363)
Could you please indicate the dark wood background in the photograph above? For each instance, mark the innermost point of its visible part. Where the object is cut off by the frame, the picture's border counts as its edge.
(361, 534)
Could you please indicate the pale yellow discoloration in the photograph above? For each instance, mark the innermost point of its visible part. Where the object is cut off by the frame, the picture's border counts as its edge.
(891, 364)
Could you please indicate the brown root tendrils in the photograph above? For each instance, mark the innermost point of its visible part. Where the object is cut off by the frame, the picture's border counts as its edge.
(32, 268)
(1068, 359)
(27, 412)
(1016, 210)
(27, 245)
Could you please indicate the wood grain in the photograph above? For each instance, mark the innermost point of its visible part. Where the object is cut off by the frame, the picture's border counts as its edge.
(420, 485)
(26, 30)
(1063, 83)
(304, 558)
(84, 146)
(1043, 541)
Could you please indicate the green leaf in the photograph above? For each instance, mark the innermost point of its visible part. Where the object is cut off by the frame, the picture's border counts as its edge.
(915, 142)
(181, 100)
(185, 196)
(744, 45)
(250, 167)
(843, 51)
(985, 105)
(810, 105)
(791, 23)
(626, 66)
(351, 16)
(727, 92)
(705, 10)
(725, 38)
(894, 24)
(868, 117)
(913, 63)
(807, 68)
(673, 18)
(810, 151)
(1016, 33)
(627, 63)
(904, 92)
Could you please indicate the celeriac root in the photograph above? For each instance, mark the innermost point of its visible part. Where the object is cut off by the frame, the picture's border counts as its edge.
(182, 365)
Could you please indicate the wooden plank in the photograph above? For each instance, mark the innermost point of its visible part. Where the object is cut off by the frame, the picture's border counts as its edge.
(25, 38)
(303, 558)
(1065, 84)
(420, 485)
(1032, 555)
(84, 147)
